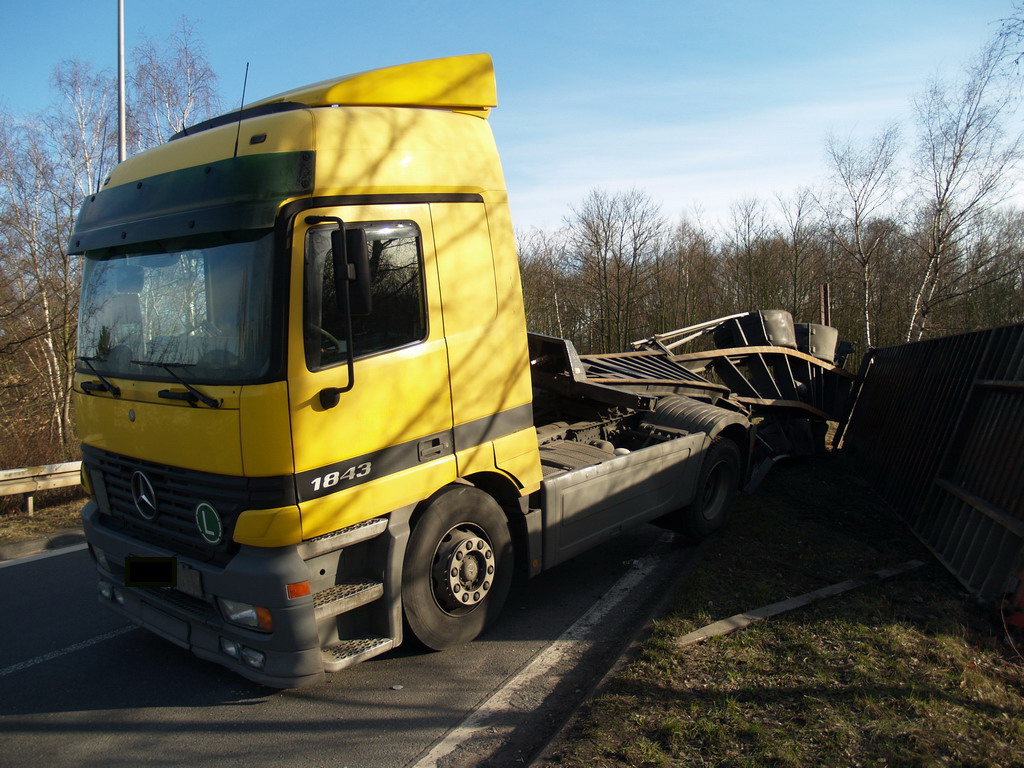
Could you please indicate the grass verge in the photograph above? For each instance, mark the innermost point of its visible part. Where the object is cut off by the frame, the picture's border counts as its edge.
(17, 526)
(909, 671)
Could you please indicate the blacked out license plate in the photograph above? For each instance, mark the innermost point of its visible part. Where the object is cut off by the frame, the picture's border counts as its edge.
(150, 572)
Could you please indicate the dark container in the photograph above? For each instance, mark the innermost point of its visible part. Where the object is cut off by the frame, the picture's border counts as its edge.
(767, 327)
(817, 340)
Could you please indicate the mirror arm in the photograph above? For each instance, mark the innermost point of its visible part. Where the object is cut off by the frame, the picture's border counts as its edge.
(331, 396)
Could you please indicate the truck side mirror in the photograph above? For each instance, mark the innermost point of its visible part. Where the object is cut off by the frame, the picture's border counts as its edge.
(352, 289)
(359, 288)
(352, 269)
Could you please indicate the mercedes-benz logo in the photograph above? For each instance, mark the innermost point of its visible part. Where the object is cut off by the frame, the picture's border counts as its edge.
(144, 496)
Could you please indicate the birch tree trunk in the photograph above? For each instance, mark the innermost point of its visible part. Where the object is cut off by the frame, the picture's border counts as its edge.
(965, 167)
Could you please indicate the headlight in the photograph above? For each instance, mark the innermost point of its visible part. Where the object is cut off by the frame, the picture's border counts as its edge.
(101, 557)
(246, 615)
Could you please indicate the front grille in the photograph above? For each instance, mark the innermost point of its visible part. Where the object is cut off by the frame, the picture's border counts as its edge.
(199, 609)
(178, 491)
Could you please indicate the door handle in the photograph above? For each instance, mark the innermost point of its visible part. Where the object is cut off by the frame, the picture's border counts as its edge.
(434, 447)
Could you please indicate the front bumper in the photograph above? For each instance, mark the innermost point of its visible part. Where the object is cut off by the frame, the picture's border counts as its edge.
(291, 651)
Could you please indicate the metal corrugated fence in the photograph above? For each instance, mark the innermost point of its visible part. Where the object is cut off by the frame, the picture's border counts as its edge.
(938, 429)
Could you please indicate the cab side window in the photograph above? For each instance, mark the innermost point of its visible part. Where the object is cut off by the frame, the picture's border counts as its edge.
(398, 316)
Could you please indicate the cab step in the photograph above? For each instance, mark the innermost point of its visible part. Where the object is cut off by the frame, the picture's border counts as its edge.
(345, 653)
(342, 598)
(346, 537)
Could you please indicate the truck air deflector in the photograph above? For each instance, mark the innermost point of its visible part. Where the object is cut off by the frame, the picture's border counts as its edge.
(238, 116)
(464, 83)
(241, 193)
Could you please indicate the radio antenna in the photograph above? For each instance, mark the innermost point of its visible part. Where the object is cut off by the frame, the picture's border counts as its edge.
(241, 105)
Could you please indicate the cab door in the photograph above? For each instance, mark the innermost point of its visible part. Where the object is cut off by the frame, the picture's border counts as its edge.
(388, 441)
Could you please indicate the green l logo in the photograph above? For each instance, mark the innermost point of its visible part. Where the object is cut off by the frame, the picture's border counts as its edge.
(209, 524)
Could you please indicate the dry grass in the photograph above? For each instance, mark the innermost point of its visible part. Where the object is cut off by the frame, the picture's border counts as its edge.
(17, 526)
(907, 672)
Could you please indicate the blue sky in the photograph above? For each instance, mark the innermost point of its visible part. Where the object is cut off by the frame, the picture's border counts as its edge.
(702, 104)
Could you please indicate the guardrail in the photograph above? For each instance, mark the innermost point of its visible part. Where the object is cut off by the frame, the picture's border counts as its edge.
(29, 480)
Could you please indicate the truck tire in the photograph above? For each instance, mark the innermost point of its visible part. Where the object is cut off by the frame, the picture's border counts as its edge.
(716, 489)
(458, 568)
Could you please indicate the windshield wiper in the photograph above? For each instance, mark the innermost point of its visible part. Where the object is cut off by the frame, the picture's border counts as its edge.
(104, 385)
(192, 396)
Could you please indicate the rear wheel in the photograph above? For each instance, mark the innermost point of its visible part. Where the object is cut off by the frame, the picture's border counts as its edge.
(458, 568)
(716, 490)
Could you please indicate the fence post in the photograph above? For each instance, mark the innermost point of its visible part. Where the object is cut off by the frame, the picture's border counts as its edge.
(29, 505)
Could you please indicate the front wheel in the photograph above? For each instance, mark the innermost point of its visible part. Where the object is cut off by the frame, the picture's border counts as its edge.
(458, 568)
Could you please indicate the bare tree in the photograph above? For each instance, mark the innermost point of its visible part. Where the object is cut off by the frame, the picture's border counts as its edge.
(755, 259)
(1011, 35)
(611, 242)
(681, 279)
(82, 128)
(863, 184)
(173, 89)
(964, 164)
(992, 285)
(798, 232)
(48, 166)
(49, 163)
(547, 291)
(46, 287)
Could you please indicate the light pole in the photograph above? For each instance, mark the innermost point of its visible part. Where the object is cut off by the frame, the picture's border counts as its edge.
(121, 152)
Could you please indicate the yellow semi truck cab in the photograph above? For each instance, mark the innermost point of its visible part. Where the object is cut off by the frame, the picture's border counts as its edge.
(311, 417)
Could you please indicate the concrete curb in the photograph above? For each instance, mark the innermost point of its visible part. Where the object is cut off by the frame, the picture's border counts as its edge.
(545, 755)
(66, 537)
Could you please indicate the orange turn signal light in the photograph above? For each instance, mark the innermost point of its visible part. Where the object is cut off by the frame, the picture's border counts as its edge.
(264, 619)
(298, 589)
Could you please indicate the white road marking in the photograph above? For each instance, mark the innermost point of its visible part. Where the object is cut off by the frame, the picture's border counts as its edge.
(65, 651)
(43, 555)
(504, 699)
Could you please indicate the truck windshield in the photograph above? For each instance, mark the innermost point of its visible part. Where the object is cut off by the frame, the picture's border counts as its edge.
(200, 305)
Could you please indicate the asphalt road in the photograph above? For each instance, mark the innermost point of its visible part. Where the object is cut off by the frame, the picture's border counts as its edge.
(80, 686)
